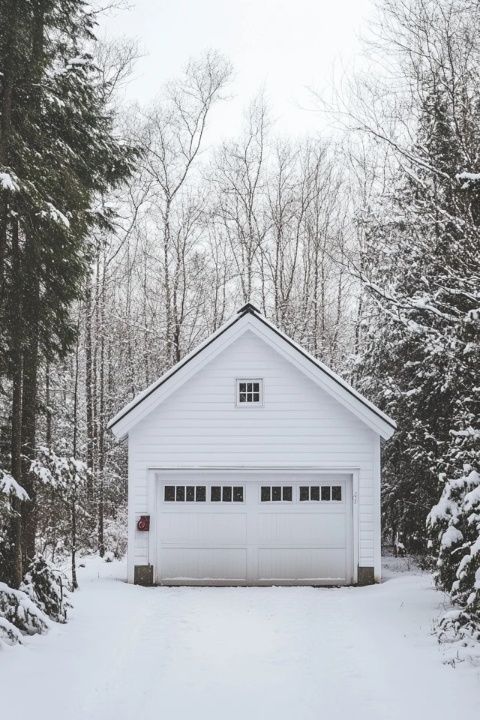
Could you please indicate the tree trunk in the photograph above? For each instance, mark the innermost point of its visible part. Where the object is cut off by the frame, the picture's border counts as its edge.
(88, 387)
(29, 403)
(7, 85)
(31, 309)
(16, 564)
(101, 421)
(48, 411)
(75, 397)
(74, 541)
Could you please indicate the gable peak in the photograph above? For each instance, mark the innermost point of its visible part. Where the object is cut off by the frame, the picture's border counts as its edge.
(248, 308)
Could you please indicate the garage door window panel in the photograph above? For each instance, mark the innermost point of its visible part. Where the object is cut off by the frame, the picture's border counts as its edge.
(304, 494)
(337, 493)
(287, 493)
(276, 493)
(320, 493)
(238, 494)
(169, 493)
(226, 493)
(200, 493)
(182, 493)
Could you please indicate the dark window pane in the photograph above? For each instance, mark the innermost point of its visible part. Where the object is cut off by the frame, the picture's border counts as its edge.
(287, 493)
(180, 493)
(190, 493)
(276, 493)
(304, 493)
(238, 494)
(201, 493)
(325, 492)
(242, 387)
(227, 494)
(265, 494)
(337, 492)
(256, 387)
(216, 493)
(243, 397)
(315, 492)
(169, 493)
(256, 397)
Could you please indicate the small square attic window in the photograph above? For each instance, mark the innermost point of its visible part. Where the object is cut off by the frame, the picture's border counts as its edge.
(249, 392)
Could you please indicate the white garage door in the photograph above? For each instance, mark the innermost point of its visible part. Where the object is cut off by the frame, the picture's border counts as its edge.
(233, 528)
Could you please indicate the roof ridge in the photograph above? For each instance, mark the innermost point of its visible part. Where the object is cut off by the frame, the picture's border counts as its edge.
(248, 308)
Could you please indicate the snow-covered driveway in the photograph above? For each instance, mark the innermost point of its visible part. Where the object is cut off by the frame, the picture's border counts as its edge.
(225, 653)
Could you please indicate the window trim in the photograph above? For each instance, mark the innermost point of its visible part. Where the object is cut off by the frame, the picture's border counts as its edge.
(244, 405)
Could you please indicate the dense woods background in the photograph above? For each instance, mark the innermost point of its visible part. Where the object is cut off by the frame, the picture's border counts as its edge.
(125, 239)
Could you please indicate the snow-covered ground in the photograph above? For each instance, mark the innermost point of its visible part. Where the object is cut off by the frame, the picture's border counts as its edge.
(244, 653)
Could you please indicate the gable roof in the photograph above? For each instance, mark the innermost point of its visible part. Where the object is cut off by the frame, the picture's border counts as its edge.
(250, 318)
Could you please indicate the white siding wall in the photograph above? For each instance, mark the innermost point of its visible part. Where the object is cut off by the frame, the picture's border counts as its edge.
(299, 424)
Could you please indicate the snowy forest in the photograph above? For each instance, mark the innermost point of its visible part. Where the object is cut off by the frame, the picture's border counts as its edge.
(128, 235)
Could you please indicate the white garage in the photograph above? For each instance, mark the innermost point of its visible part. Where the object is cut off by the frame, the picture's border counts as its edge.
(251, 463)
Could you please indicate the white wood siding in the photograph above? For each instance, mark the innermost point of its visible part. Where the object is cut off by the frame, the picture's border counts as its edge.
(299, 424)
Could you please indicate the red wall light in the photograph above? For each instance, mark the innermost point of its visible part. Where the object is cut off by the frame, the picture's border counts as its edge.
(143, 523)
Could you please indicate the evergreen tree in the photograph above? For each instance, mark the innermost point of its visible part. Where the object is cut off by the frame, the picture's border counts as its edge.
(59, 153)
(423, 279)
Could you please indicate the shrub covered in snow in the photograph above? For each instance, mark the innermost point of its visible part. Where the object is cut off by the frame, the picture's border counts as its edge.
(9, 634)
(42, 597)
(46, 587)
(19, 610)
(455, 526)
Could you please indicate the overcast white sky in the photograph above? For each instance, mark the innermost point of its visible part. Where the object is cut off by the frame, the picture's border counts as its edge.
(287, 46)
